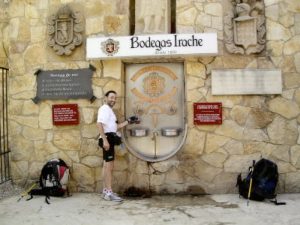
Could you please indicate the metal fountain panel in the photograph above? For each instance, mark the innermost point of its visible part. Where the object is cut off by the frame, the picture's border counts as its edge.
(155, 93)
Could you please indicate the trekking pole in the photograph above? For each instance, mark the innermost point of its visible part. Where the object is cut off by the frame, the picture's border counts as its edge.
(24, 193)
(250, 185)
(249, 192)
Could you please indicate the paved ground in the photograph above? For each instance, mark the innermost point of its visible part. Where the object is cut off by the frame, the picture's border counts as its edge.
(90, 209)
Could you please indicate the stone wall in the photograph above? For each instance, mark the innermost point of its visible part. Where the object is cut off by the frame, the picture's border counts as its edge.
(253, 126)
(3, 35)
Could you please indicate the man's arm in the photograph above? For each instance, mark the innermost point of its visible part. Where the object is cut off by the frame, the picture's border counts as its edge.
(123, 124)
(103, 136)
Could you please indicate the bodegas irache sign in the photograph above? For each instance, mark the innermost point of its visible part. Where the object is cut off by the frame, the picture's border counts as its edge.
(152, 45)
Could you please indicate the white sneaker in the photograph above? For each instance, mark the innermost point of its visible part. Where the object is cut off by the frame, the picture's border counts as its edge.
(112, 197)
(104, 193)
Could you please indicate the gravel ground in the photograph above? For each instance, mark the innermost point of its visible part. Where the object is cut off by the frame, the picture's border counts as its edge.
(7, 189)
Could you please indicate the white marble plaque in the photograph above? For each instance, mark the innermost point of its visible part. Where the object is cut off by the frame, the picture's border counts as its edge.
(246, 82)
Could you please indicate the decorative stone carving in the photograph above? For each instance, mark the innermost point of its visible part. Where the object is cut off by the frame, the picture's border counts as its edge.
(154, 84)
(152, 16)
(244, 27)
(64, 30)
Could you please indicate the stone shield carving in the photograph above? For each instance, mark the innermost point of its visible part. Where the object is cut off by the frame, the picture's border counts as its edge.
(244, 27)
(65, 30)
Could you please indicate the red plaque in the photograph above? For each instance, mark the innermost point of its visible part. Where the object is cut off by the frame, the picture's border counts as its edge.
(65, 114)
(208, 113)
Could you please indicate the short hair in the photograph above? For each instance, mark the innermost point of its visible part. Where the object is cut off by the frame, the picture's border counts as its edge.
(111, 91)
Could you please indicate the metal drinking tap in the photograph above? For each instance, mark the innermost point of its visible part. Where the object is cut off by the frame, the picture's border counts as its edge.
(155, 134)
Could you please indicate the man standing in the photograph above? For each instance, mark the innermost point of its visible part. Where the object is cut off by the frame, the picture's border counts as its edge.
(108, 126)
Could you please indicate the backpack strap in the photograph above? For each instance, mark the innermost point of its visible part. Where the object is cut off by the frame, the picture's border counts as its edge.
(28, 191)
(46, 199)
(39, 192)
(63, 163)
(278, 203)
(68, 192)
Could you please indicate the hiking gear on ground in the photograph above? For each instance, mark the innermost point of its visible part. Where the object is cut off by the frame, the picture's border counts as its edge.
(26, 192)
(260, 182)
(250, 185)
(53, 180)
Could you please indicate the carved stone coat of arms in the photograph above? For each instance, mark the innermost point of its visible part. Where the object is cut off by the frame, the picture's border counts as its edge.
(64, 31)
(244, 27)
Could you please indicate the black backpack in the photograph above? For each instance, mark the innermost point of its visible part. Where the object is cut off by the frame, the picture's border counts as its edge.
(261, 180)
(53, 180)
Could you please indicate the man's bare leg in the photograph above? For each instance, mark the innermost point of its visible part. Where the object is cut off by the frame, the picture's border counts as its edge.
(107, 174)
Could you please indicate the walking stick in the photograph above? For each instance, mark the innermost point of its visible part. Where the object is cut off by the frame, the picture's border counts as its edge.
(24, 193)
(249, 192)
(250, 185)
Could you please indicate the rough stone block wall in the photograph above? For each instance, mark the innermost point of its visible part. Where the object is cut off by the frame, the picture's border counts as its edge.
(3, 35)
(33, 138)
(253, 126)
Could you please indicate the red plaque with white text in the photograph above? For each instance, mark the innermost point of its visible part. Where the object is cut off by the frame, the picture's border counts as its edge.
(65, 114)
(207, 113)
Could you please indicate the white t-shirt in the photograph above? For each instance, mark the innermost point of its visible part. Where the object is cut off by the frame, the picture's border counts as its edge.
(107, 117)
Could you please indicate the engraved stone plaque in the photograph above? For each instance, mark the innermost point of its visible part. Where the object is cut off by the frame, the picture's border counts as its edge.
(64, 84)
(246, 82)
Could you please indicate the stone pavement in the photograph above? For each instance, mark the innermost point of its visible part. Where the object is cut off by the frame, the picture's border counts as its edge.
(90, 209)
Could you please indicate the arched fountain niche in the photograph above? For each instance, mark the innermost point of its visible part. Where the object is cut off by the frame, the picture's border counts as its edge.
(156, 94)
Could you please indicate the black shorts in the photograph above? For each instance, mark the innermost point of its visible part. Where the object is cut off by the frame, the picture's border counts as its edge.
(108, 155)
